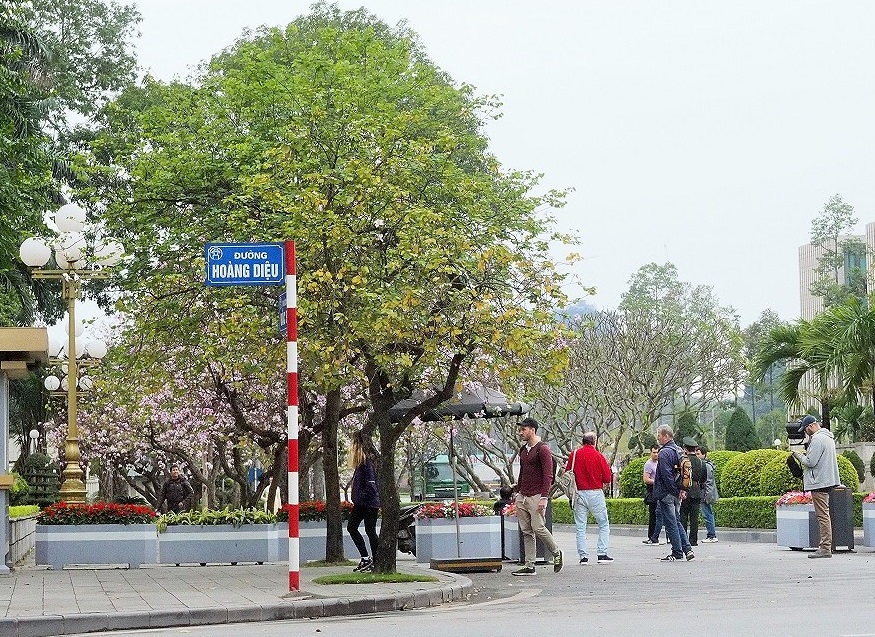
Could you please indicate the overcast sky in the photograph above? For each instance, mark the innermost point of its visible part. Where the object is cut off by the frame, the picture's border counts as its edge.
(708, 134)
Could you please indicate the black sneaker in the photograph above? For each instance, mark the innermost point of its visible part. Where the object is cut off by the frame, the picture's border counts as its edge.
(557, 562)
(365, 564)
(690, 556)
(651, 542)
(671, 558)
(584, 560)
(525, 570)
(605, 559)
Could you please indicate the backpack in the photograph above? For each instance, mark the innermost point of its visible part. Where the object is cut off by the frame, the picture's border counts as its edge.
(683, 479)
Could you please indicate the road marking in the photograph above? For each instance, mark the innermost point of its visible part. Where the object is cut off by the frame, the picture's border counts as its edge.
(526, 594)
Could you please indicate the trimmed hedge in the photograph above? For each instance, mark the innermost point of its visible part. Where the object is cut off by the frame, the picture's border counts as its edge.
(848, 474)
(775, 477)
(720, 459)
(631, 484)
(738, 513)
(740, 476)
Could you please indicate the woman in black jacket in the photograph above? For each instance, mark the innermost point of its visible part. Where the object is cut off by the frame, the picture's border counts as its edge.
(365, 502)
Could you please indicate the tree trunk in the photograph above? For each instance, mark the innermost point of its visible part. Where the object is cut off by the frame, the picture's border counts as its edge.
(333, 517)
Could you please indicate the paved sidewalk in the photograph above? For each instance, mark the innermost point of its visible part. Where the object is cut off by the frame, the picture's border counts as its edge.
(37, 602)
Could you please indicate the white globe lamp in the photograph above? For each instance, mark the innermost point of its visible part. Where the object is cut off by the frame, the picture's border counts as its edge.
(70, 218)
(34, 253)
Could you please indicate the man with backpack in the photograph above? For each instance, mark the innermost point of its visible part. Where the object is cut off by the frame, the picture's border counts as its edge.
(709, 495)
(669, 490)
(692, 504)
(532, 494)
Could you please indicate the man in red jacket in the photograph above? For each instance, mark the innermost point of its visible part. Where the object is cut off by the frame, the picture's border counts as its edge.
(532, 493)
(591, 473)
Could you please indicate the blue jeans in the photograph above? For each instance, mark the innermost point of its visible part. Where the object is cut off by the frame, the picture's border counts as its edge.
(591, 501)
(708, 514)
(670, 509)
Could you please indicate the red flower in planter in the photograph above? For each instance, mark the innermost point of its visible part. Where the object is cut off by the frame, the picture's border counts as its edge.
(97, 513)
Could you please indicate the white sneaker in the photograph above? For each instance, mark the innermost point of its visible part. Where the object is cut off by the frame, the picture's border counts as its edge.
(710, 540)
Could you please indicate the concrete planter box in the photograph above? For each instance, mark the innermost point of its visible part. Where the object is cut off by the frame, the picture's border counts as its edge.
(796, 526)
(218, 544)
(312, 537)
(869, 524)
(22, 538)
(131, 544)
(478, 537)
(511, 538)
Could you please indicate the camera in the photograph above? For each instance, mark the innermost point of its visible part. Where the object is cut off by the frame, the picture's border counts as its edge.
(793, 433)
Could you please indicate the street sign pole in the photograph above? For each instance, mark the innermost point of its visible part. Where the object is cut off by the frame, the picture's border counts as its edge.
(230, 264)
(292, 414)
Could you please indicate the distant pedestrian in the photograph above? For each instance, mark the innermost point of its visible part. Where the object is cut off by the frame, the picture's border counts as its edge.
(365, 502)
(175, 493)
(820, 475)
(669, 495)
(692, 504)
(532, 495)
(591, 473)
(504, 498)
(709, 495)
(649, 476)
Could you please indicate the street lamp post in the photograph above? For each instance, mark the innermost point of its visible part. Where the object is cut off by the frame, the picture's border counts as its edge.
(72, 269)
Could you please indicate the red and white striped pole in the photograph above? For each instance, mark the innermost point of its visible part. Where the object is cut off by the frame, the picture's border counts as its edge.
(292, 414)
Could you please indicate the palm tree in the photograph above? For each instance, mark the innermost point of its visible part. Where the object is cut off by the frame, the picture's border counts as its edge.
(850, 329)
(806, 349)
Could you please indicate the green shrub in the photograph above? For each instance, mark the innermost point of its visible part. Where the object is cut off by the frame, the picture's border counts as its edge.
(23, 510)
(775, 477)
(872, 465)
(631, 484)
(746, 513)
(19, 491)
(740, 476)
(741, 435)
(236, 517)
(720, 459)
(857, 461)
(848, 474)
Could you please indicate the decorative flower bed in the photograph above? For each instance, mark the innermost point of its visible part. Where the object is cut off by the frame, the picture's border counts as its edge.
(101, 533)
(478, 528)
(313, 511)
(447, 510)
(795, 523)
(66, 514)
(869, 520)
(218, 536)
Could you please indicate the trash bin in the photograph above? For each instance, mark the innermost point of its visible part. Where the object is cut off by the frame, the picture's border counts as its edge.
(841, 513)
(540, 550)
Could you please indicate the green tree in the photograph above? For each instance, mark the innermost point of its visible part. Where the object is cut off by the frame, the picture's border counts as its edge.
(688, 426)
(740, 432)
(841, 269)
(755, 388)
(421, 262)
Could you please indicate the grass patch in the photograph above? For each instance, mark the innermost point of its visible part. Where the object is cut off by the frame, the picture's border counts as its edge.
(373, 578)
(323, 563)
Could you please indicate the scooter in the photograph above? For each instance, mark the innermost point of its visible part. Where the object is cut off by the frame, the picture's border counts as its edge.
(407, 528)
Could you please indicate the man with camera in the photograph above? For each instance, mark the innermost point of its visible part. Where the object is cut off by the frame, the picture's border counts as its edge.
(820, 475)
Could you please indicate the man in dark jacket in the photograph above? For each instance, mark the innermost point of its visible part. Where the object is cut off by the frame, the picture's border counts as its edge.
(692, 504)
(669, 496)
(175, 493)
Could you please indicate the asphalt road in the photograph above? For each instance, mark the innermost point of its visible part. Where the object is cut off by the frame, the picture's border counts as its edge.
(730, 589)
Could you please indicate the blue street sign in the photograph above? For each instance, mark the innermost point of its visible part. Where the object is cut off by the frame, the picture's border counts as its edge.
(245, 264)
(281, 308)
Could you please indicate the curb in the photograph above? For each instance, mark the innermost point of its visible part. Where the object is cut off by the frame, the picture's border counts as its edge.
(314, 608)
